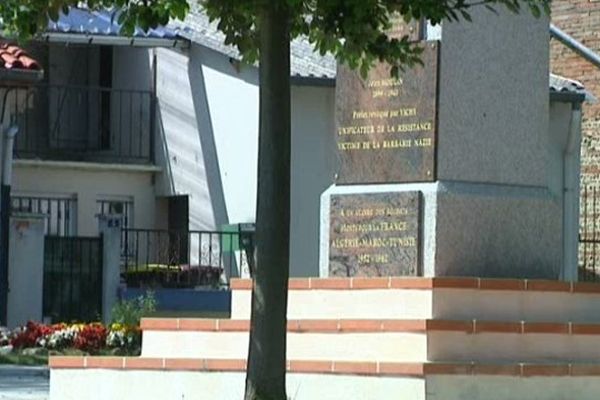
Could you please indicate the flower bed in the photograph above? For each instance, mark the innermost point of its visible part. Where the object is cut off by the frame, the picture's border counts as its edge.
(92, 338)
(122, 337)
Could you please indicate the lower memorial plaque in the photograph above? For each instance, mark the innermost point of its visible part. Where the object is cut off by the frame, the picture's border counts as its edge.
(375, 234)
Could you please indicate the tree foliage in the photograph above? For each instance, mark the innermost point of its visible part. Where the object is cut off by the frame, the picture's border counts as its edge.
(352, 30)
(25, 18)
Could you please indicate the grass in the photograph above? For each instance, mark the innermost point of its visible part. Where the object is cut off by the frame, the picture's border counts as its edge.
(22, 359)
(18, 358)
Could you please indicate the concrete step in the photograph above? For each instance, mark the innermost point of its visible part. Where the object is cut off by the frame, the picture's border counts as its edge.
(98, 378)
(381, 340)
(432, 298)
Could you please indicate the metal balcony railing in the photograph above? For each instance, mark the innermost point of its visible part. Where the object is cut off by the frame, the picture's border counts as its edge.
(184, 259)
(81, 123)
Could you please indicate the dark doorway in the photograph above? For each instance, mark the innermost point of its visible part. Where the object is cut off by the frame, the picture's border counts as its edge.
(178, 227)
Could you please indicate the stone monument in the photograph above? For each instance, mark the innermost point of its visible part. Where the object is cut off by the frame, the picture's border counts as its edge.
(442, 171)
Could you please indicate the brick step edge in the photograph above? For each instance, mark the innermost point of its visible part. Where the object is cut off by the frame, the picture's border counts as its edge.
(374, 326)
(329, 367)
(430, 283)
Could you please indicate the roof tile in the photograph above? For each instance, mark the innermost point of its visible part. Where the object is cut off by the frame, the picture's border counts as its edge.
(15, 58)
(101, 22)
(305, 62)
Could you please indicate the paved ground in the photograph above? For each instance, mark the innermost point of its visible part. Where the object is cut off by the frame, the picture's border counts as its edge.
(23, 383)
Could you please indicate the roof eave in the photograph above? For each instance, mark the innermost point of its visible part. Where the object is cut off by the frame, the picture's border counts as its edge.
(567, 97)
(561, 97)
(298, 80)
(83, 38)
(20, 76)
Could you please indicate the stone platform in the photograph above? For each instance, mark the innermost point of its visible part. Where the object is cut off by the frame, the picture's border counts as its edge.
(372, 338)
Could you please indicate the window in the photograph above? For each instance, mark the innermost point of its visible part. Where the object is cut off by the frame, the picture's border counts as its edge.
(115, 206)
(60, 211)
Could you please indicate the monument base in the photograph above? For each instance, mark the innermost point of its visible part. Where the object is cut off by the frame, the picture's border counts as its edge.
(471, 229)
(411, 338)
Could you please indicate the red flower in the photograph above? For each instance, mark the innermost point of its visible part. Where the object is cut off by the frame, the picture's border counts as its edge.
(30, 335)
(91, 338)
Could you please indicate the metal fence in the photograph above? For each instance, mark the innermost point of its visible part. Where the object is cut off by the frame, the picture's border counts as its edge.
(589, 234)
(72, 278)
(81, 123)
(184, 259)
(61, 212)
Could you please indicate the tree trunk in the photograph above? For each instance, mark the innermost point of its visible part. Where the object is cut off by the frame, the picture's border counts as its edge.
(265, 379)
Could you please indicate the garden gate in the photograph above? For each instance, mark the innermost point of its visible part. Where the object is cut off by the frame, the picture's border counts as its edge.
(72, 278)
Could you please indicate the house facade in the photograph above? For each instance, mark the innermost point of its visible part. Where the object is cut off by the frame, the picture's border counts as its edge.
(162, 129)
(86, 144)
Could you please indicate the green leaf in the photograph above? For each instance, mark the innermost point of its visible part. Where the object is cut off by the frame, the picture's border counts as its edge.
(491, 8)
(466, 15)
(53, 13)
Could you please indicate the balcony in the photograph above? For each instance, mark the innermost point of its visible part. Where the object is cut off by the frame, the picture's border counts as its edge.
(81, 123)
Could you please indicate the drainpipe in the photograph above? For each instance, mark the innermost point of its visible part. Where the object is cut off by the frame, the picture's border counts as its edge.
(575, 45)
(571, 196)
(8, 138)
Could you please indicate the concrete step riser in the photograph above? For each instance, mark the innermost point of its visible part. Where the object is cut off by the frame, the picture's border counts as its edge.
(346, 304)
(95, 384)
(144, 385)
(389, 346)
(439, 304)
(515, 306)
(384, 346)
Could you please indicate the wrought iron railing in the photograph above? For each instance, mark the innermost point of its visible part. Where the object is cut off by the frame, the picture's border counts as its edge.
(589, 234)
(184, 259)
(81, 123)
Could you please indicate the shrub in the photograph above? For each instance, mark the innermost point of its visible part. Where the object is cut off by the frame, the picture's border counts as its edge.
(128, 313)
(123, 337)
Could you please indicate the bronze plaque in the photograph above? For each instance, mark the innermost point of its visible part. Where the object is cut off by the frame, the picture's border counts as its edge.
(375, 234)
(400, 28)
(385, 127)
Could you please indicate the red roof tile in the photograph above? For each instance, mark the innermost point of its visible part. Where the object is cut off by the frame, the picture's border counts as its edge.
(15, 58)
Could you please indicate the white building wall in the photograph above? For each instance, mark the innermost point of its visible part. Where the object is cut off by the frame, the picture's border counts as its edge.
(232, 94)
(564, 177)
(88, 185)
(558, 134)
(313, 165)
(180, 152)
(208, 113)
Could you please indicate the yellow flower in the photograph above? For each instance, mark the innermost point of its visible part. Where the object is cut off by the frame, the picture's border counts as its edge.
(116, 327)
